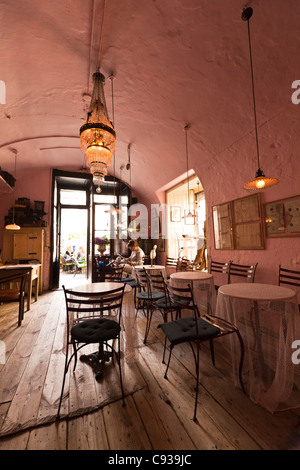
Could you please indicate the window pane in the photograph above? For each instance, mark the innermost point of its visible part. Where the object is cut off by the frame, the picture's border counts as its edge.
(99, 198)
(73, 197)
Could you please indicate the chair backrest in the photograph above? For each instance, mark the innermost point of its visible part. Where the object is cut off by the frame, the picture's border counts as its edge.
(288, 276)
(15, 275)
(157, 282)
(184, 264)
(102, 274)
(218, 267)
(142, 278)
(241, 270)
(171, 262)
(83, 306)
(180, 296)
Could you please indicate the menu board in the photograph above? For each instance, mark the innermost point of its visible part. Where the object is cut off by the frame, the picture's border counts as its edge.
(282, 218)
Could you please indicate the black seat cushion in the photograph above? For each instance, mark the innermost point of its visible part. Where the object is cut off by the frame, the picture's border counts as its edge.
(184, 329)
(166, 303)
(95, 330)
(132, 283)
(155, 295)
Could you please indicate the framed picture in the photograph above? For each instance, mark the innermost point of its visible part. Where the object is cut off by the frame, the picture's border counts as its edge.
(247, 223)
(175, 214)
(282, 217)
(238, 224)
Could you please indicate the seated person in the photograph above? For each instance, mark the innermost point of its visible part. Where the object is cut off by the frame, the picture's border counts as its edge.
(81, 254)
(136, 258)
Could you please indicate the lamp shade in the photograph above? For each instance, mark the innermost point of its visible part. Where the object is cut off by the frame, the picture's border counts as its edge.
(260, 182)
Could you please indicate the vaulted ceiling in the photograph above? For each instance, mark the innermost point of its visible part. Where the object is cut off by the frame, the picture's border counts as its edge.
(174, 62)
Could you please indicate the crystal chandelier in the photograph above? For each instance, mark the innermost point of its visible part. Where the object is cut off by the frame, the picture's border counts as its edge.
(97, 134)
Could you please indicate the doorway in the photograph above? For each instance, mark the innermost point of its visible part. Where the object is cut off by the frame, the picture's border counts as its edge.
(73, 244)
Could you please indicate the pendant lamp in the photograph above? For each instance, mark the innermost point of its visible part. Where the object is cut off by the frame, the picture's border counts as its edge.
(13, 226)
(190, 213)
(260, 181)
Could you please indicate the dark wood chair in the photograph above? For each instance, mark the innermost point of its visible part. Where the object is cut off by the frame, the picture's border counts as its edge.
(289, 277)
(107, 274)
(90, 321)
(17, 278)
(241, 270)
(195, 330)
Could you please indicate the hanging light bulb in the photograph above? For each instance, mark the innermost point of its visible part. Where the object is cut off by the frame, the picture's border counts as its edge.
(260, 181)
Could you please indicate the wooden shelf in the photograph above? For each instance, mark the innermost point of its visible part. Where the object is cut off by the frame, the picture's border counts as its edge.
(5, 187)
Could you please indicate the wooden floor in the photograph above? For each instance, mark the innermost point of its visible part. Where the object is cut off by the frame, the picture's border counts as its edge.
(158, 412)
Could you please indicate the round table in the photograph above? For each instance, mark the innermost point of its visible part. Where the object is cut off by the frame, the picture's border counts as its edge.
(268, 319)
(202, 284)
(155, 269)
(129, 339)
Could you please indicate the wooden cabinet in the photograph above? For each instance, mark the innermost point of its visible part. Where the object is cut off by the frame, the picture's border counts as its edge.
(24, 244)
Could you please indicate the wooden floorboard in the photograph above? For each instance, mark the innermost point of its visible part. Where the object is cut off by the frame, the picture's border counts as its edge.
(158, 412)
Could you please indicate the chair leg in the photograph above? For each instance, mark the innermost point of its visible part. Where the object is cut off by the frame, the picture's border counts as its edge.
(212, 351)
(241, 360)
(197, 383)
(149, 312)
(166, 372)
(120, 371)
(165, 347)
(63, 384)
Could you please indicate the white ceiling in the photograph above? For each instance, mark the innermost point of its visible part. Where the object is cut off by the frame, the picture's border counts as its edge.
(174, 61)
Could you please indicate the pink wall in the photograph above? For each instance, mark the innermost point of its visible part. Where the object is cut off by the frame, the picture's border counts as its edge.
(37, 187)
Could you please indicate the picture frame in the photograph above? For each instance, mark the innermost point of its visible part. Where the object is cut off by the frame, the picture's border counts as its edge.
(175, 214)
(248, 230)
(238, 224)
(282, 218)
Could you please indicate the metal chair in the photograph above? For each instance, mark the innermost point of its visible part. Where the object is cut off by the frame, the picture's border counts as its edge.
(241, 270)
(289, 277)
(146, 298)
(16, 293)
(93, 318)
(108, 274)
(195, 330)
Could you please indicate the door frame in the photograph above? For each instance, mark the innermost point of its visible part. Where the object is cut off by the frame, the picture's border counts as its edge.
(72, 181)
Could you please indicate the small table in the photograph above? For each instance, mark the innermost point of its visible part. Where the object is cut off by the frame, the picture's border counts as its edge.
(130, 339)
(155, 269)
(269, 322)
(34, 276)
(202, 284)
